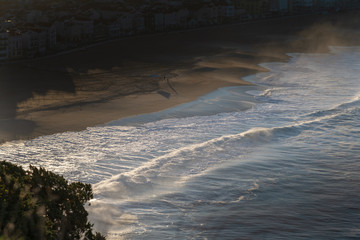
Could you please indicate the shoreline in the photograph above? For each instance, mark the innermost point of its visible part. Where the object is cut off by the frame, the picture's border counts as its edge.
(151, 73)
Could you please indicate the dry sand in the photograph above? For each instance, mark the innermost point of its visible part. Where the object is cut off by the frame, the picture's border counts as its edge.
(143, 74)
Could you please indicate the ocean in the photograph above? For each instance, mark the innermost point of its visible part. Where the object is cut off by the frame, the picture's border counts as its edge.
(278, 160)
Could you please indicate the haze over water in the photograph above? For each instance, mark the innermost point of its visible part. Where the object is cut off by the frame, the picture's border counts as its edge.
(286, 168)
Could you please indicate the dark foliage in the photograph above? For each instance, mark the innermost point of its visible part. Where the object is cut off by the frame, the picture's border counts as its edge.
(38, 204)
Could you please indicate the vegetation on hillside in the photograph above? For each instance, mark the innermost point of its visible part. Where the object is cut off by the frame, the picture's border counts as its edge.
(38, 204)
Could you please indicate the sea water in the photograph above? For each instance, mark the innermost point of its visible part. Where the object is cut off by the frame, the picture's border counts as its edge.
(280, 160)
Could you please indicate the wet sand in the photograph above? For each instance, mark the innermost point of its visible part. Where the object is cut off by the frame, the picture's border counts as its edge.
(144, 74)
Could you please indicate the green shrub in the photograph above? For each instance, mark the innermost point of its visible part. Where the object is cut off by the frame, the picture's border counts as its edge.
(38, 204)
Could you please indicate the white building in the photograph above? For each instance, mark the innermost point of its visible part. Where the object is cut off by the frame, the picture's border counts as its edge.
(159, 20)
(182, 17)
(326, 3)
(139, 23)
(227, 11)
(59, 28)
(170, 20)
(78, 30)
(52, 37)
(15, 45)
(205, 16)
(30, 43)
(303, 4)
(167, 21)
(279, 5)
(4, 47)
(337, 4)
(126, 23)
(115, 29)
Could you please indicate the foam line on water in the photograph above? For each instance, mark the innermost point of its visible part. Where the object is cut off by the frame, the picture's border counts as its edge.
(336, 110)
(223, 100)
(159, 167)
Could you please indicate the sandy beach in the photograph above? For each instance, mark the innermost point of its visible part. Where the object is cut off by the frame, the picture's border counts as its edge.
(143, 74)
